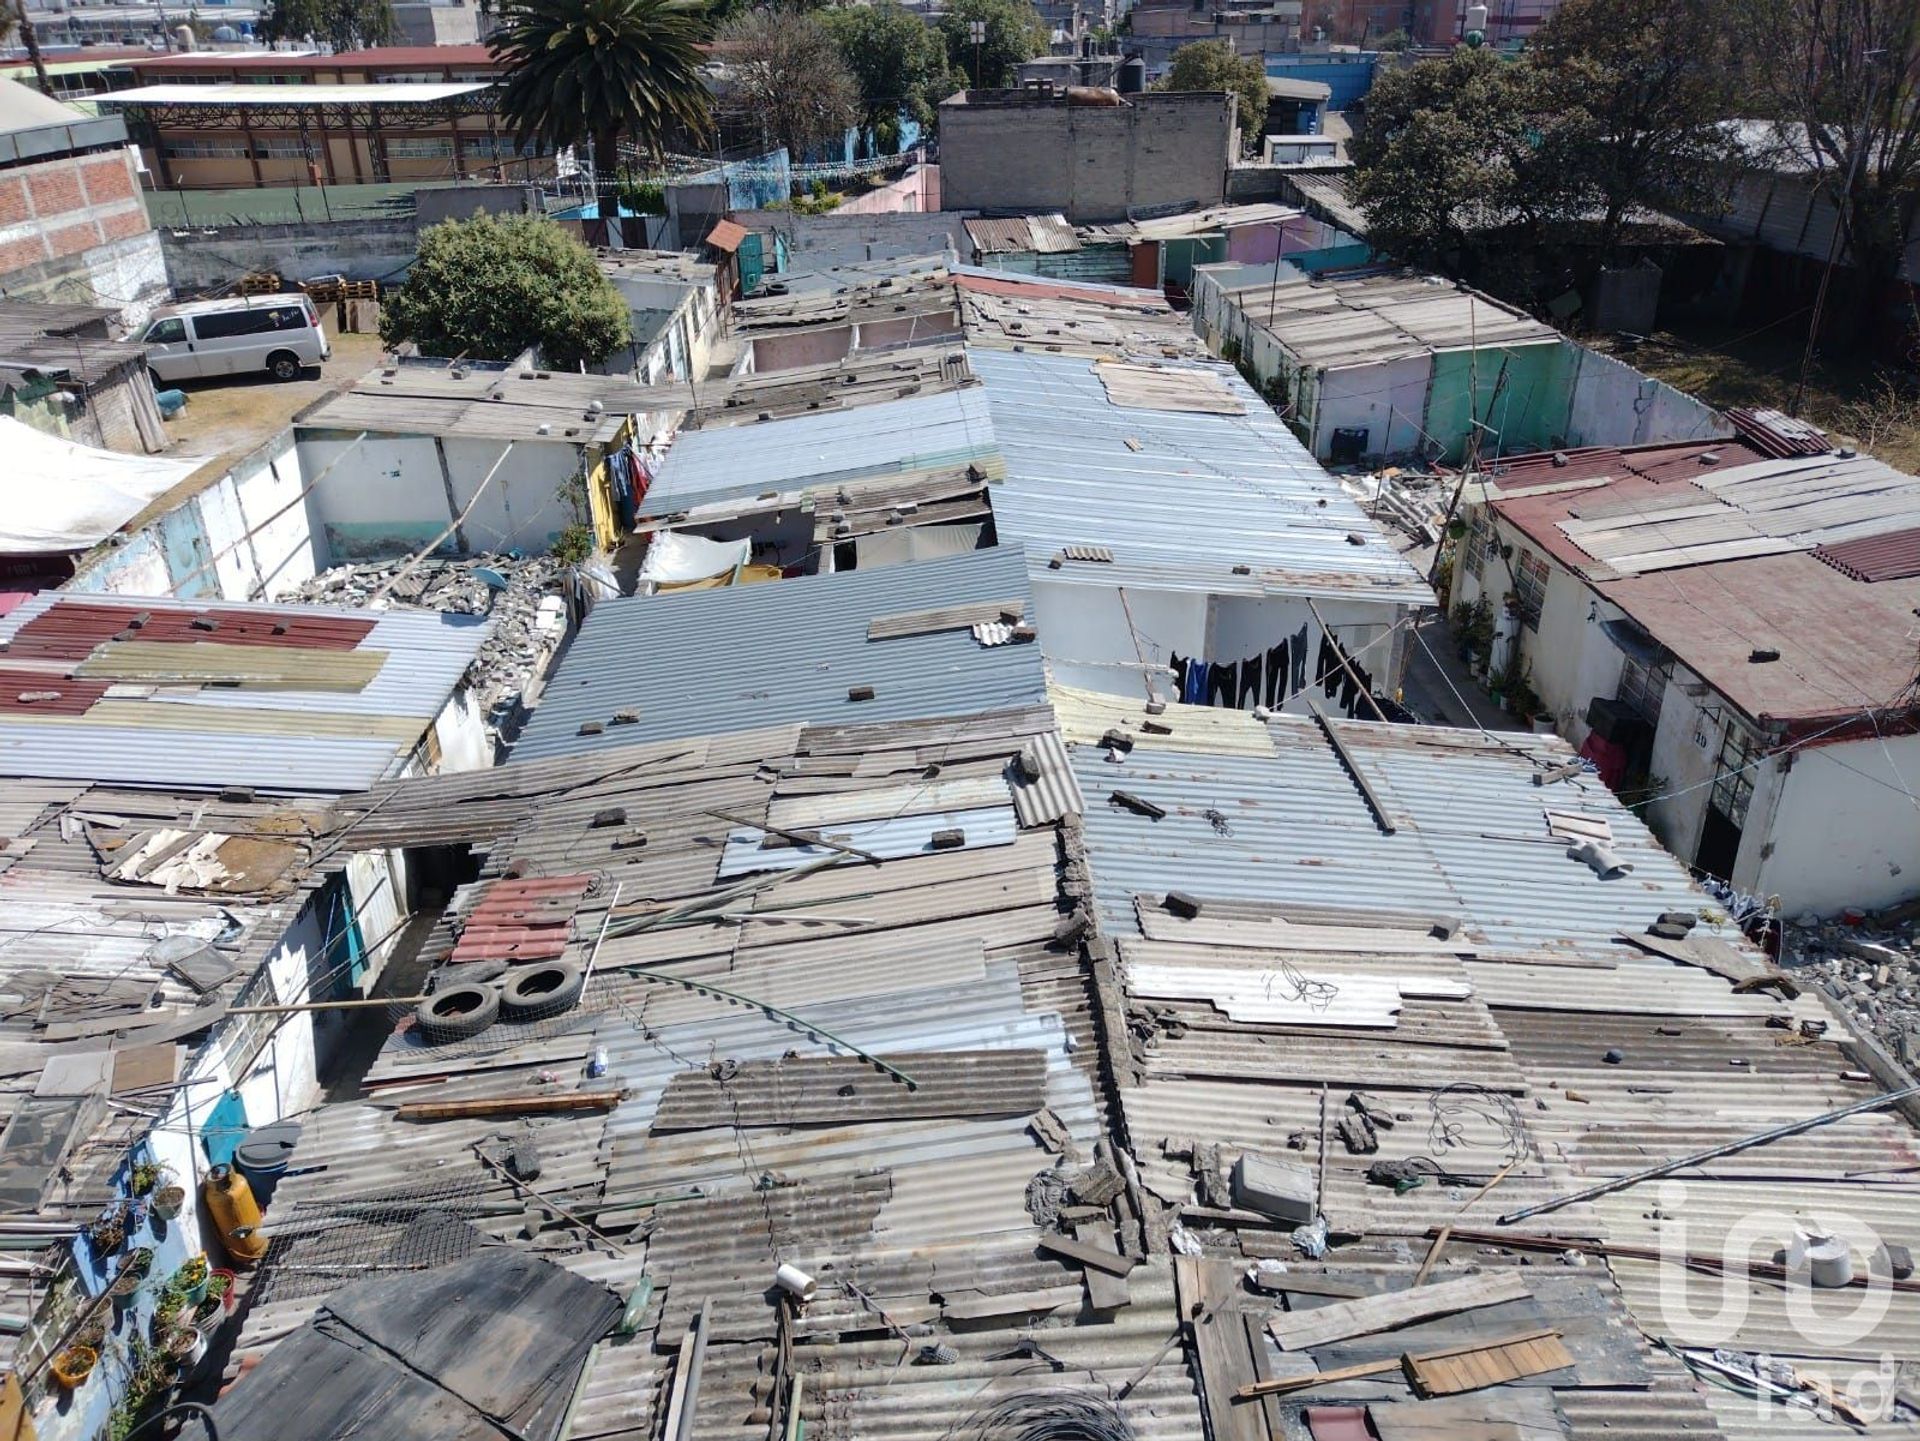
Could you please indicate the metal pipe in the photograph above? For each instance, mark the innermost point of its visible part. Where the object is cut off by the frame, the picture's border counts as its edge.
(1747, 1143)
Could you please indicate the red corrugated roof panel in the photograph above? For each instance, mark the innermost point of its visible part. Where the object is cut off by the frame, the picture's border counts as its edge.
(529, 920)
(726, 235)
(71, 630)
(1893, 556)
(48, 693)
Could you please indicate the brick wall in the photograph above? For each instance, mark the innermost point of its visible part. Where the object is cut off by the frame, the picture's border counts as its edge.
(1011, 152)
(65, 206)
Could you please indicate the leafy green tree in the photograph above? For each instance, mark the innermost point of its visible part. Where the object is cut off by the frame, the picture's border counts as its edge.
(897, 60)
(343, 24)
(1456, 145)
(489, 287)
(591, 71)
(1649, 83)
(1216, 65)
(1015, 33)
(785, 76)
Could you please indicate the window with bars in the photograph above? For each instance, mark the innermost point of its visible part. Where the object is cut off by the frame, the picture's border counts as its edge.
(1530, 588)
(1643, 685)
(1733, 775)
(1473, 550)
(203, 150)
(419, 149)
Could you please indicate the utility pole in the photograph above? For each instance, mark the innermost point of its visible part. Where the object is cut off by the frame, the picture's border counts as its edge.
(1842, 206)
(977, 32)
(32, 42)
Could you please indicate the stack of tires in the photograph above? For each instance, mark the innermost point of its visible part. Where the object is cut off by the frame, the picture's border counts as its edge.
(464, 1008)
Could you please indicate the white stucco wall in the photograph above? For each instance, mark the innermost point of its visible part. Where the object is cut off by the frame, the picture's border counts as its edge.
(1387, 400)
(1844, 828)
(388, 495)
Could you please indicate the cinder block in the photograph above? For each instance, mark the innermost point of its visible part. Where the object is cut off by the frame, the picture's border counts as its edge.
(1284, 1190)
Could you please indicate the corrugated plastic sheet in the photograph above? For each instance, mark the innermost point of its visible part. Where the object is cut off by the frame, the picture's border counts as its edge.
(273, 747)
(1200, 495)
(740, 462)
(893, 839)
(70, 629)
(723, 660)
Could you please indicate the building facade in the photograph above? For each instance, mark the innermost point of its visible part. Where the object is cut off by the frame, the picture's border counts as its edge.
(421, 113)
(1092, 156)
(1722, 629)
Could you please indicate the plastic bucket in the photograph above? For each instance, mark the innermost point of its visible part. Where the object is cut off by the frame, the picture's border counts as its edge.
(263, 1156)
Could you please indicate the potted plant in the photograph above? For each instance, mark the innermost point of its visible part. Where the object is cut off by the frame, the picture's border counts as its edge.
(92, 1333)
(132, 1273)
(169, 1201)
(186, 1348)
(73, 1365)
(166, 1313)
(191, 1279)
(139, 1262)
(108, 1231)
(220, 1287)
(208, 1315)
(145, 1176)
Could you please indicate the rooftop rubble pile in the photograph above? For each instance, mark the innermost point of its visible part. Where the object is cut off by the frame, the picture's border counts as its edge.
(1872, 969)
(523, 596)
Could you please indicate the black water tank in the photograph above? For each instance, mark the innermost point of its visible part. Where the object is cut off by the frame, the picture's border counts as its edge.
(263, 1156)
(1133, 76)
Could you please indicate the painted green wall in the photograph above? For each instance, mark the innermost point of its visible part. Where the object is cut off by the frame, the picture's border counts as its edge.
(1528, 410)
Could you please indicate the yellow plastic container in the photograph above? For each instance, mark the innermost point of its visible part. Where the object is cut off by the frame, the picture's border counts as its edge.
(235, 1214)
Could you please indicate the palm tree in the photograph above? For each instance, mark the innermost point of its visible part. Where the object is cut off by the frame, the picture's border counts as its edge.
(591, 71)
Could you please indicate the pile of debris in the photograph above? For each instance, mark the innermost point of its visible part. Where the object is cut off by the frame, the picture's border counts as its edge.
(527, 598)
(1411, 503)
(1871, 968)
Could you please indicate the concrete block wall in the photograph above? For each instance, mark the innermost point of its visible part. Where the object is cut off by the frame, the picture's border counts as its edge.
(358, 249)
(1014, 151)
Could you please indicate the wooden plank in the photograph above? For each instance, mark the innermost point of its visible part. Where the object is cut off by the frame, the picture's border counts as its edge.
(946, 617)
(1105, 1292)
(1512, 1415)
(1220, 1347)
(1281, 1385)
(1109, 1261)
(1013, 1303)
(1296, 1331)
(1494, 1363)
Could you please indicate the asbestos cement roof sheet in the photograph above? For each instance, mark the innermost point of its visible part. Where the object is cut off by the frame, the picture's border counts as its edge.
(772, 457)
(1181, 491)
(707, 662)
(277, 739)
(1333, 324)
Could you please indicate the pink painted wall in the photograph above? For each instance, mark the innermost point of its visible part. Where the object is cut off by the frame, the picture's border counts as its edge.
(917, 190)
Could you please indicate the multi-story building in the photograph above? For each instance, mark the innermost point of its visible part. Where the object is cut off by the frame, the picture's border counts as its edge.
(1254, 27)
(1090, 155)
(406, 113)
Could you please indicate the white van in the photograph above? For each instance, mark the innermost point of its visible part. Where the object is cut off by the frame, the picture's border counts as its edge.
(242, 335)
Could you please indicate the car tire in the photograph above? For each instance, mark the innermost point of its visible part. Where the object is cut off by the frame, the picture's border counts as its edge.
(153, 379)
(284, 365)
(457, 1013)
(546, 988)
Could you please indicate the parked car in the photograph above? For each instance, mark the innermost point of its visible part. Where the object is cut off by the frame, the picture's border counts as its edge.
(241, 335)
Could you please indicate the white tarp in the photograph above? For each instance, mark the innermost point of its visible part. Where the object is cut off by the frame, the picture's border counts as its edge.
(56, 495)
(914, 542)
(674, 559)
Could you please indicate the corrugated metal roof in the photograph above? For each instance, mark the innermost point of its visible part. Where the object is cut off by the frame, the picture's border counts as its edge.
(273, 739)
(1042, 234)
(1194, 494)
(792, 454)
(1893, 556)
(1471, 838)
(714, 661)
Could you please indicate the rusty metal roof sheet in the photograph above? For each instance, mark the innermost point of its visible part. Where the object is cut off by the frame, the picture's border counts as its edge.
(1893, 556)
